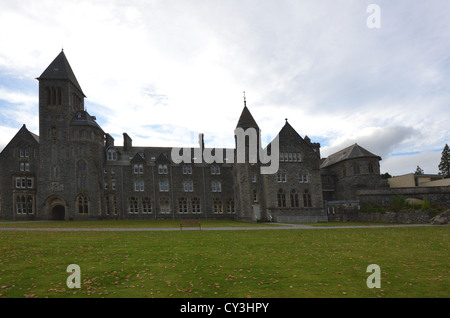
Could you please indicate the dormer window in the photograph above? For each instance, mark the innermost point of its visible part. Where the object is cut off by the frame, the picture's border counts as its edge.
(111, 155)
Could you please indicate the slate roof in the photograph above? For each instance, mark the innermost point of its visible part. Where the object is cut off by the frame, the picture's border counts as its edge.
(246, 120)
(60, 69)
(82, 118)
(352, 152)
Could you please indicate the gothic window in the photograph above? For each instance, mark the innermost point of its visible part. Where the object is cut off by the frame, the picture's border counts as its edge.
(215, 169)
(281, 198)
(139, 169)
(24, 204)
(53, 95)
(139, 185)
(187, 169)
(344, 171)
(146, 205)
(162, 169)
(303, 177)
(133, 206)
(82, 204)
(294, 199)
(111, 204)
(182, 205)
(188, 186)
(281, 176)
(307, 199)
(230, 206)
(164, 186)
(21, 204)
(216, 186)
(111, 155)
(195, 203)
(371, 168)
(217, 205)
(30, 204)
(253, 178)
(164, 204)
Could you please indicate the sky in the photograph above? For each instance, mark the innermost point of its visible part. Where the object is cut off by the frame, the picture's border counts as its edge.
(164, 71)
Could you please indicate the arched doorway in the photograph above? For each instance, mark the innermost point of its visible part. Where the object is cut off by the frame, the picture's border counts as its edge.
(58, 212)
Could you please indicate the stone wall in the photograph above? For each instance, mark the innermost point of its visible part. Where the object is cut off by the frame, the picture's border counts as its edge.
(411, 217)
(383, 197)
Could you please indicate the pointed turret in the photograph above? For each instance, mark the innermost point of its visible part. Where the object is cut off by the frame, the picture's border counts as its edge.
(60, 69)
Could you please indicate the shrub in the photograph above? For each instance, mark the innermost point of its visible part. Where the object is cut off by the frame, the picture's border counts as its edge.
(426, 205)
(398, 203)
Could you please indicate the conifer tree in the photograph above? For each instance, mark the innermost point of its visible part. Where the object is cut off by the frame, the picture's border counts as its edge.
(444, 166)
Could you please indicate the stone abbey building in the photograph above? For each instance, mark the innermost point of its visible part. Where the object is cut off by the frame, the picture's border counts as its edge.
(74, 170)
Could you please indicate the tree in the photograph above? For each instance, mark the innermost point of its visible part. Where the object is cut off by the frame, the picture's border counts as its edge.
(419, 171)
(386, 176)
(444, 166)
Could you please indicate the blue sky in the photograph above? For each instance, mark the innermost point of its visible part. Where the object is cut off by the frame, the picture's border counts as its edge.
(165, 71)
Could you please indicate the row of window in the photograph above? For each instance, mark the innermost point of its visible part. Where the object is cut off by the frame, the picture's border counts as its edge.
(162, 169)
(24, 183)
(302, 177)
(294, 199)
(24, 204)
(188, 186)
(183, 205)
(357, 170)
(290, 157)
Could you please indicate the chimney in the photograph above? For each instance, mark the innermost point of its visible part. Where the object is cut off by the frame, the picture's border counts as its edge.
(127, 142)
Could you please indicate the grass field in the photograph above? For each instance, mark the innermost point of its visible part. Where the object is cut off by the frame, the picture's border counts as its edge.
(414, 262)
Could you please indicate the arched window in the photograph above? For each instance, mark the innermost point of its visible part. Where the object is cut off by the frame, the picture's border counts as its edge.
(146, 205)
(82, 204)
(195, 202)
(281, 198)
(133, 207)
(307, 199)
(162, 169)
(281, 176)
(371, 168)
(294, 199)
(182, 205)
(164, 205)
(217, 205)
(230, 206)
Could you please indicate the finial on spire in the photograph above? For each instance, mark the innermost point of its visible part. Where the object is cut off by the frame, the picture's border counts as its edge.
(245, 100)
(286, 120)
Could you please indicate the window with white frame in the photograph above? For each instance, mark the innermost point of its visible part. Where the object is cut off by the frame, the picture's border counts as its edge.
(281, 176)
(188, 186)
(187, 169)
(162, 169)
(216, 186)
(303, 177)
(139, 185)
(164, 186)
(215, 169)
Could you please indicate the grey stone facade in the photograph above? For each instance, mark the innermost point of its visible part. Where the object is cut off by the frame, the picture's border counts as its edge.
(74, 170)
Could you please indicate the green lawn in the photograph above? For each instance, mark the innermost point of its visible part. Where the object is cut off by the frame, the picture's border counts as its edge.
(414, 262)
